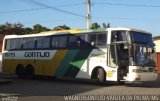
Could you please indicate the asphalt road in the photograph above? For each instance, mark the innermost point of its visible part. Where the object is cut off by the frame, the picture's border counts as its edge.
(53, 89)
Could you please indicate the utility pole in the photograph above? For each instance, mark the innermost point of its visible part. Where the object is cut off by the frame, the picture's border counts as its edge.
(88, 18)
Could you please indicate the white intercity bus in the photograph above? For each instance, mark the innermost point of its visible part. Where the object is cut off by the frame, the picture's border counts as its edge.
(112, 54)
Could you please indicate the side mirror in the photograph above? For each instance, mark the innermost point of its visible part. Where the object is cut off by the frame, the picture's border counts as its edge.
(153, 50)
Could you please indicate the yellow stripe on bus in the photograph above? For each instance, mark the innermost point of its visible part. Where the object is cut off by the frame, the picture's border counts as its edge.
(52, 65)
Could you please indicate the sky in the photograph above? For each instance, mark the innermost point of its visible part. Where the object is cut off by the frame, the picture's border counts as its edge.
(139, 14)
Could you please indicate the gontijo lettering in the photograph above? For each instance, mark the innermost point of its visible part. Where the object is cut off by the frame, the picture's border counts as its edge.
(36, 54)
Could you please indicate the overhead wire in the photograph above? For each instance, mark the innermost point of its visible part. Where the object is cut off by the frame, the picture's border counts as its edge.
(121, 4)
(121, 18)
(32, 9)
(51, 7)
(44, 6)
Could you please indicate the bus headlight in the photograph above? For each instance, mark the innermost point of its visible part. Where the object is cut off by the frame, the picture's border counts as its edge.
(137, 70)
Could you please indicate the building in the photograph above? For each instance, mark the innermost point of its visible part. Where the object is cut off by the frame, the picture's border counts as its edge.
(157, 46)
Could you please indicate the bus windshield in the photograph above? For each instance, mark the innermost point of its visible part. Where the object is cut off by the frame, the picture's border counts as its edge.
(142, 49)
(141, 37)
(143, 55)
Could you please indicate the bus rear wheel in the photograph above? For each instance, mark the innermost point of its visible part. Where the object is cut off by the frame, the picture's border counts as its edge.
(100, 76)
(20, 71)
(29, 72)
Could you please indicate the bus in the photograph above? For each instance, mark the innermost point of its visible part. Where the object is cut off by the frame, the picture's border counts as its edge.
(112, 54)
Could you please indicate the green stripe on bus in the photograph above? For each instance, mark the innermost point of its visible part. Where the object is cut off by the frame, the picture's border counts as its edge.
(63, 67)
(77, 62)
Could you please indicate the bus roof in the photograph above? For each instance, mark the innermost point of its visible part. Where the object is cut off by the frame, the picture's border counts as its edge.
(128, 29)
(59, 32)
(74, 31)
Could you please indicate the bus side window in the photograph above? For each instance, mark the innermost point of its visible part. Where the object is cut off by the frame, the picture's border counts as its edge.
(77, 41)
(98, 39)
(73, 41)
(13, 44)
(55, 42)
(59, 42)
(8, 44)
(101, 40)
(62, 42)
(119, 36)
(92, 39)
(46, 42)
(16, 44)
(39, 42)
(29, 43)
(81, 41)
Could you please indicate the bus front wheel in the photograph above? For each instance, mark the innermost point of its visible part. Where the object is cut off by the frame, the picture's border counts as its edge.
(100, 76)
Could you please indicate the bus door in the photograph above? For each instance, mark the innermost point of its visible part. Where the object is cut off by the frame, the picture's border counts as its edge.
(118, 56)
(112, 63)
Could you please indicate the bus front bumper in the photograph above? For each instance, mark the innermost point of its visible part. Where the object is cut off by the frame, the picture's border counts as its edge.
(141, 77)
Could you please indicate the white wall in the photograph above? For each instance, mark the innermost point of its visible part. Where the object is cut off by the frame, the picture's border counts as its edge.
(157, 43)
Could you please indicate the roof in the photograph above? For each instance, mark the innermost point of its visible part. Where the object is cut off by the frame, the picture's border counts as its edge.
(59, 32)
(128, 29)
(156, 37)
(74, 31)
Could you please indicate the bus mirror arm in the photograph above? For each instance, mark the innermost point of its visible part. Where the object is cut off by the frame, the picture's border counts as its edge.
(153, 50)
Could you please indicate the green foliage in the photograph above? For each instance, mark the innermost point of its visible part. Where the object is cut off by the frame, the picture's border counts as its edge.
(95, 26)
(27, 30)
(61, 27)
(9, 28)
(39, 28)
(17, 28)
(2, 28)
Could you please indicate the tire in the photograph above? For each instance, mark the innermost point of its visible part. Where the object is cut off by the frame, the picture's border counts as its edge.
(20, 71)
(29, 72)
(100, 76)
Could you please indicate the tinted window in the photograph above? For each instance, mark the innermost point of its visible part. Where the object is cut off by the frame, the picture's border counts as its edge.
(12, 44)
(62, 42)
(101, 40)
(98, 39)
(55, 42)
(39, 42)
(141, 37)
(72, 41)
(29, 43)
(46, 42)
(119, 36)
(59, 41)
(78, 41)
(8, 44)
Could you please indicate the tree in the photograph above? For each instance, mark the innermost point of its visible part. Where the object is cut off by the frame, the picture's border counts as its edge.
(39, 28)
(9, 28)
(95, 26)
(2, 29)
(61, 27)
(108, 25)
(27, 30)
(104, 25)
